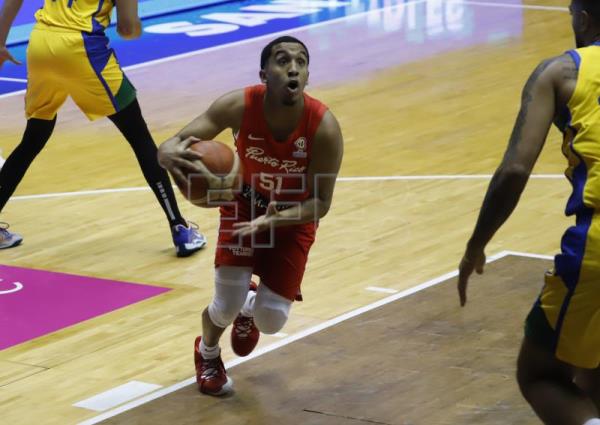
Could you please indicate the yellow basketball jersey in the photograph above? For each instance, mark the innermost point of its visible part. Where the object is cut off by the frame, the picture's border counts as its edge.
(582, 137)
(566, 317)
(77, 15)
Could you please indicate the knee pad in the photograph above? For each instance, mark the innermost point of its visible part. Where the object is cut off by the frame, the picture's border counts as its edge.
(231, 287)
(271, 310)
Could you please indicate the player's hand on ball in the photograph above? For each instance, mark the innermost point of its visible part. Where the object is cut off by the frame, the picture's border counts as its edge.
(175, 156)
(259, 224)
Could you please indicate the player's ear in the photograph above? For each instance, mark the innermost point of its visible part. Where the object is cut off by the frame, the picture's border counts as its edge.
(307, 77)
(585, 21)
(263, 76)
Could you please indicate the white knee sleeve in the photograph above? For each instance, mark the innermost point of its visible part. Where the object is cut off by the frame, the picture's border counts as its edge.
(231, 286)
(270, 310)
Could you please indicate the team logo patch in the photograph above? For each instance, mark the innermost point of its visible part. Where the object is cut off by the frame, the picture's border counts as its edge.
(300, 151)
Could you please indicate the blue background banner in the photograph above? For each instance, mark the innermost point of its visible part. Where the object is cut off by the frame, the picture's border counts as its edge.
(147, 8)
(439, 24)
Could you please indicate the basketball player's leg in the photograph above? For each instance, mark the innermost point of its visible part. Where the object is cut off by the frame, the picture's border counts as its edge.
(101, 89)
(43, 99)
(131, 124)
(589, 382)
(553, 351)
(270, 310)
(36, 134)
(281, 270)
(547, 384)
(234, 264)
(231, 287)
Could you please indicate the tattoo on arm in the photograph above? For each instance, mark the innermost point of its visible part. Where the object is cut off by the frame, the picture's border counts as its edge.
(568, 68)
(525, 101)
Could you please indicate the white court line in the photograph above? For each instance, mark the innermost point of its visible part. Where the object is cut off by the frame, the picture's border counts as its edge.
(14, 80)
(116, 396)
(441, 177)
(311, 26)
(286, 341)
(340, 179)
(379, 289)
(12, 93)
(81, 193)
(526, 254)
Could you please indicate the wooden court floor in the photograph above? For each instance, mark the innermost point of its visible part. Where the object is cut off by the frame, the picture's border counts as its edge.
(434, 127)
(346, 374)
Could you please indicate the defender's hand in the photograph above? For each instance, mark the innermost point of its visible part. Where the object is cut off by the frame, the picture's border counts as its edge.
(472, 260)
(6, 56)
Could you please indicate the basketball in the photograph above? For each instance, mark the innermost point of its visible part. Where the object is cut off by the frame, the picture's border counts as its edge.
(220, 179)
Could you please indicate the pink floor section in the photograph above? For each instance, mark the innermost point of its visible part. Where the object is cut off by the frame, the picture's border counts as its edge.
(37, 302)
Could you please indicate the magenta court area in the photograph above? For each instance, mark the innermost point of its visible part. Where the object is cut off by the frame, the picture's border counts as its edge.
(34, 303)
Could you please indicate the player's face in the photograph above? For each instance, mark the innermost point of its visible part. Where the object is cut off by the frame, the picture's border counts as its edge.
(286, 73)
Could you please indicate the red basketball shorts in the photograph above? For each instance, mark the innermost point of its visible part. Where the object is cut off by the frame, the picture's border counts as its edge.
(278, 256)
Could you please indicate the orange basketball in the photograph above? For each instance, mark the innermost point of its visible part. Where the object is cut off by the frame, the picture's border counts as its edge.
(220, 178)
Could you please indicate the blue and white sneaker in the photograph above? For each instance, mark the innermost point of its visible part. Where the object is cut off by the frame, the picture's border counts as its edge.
(8, 239)
(187, 240)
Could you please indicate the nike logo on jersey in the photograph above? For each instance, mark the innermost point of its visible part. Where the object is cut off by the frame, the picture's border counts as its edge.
(251, 137)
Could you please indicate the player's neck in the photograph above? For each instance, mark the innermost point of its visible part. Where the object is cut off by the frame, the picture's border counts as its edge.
(281, 119)
(592, 38)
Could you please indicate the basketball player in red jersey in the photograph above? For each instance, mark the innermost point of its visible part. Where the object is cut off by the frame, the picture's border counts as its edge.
(291, 149)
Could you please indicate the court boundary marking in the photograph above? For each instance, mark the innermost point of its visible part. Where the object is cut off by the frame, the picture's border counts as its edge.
(302, 334)
(339, 180)
(312, 26)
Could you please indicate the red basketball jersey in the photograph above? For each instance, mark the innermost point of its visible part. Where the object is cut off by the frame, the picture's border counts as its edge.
(275, 170)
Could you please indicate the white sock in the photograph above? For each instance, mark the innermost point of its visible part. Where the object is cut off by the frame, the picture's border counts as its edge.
(209, 352)
(248, 308)
(593, 421)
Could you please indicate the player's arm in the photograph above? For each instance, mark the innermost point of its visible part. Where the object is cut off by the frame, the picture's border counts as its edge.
(326, 159)
(226, 112)
(10, 8)
(526, 141)
(129, 25)
(325, 162)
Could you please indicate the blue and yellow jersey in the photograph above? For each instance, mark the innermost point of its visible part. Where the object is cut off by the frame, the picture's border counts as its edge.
(581, 144)
(78, 15)
(70, 56)
(566, 317)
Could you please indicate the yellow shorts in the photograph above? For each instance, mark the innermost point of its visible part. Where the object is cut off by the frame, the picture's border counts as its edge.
(65, 63)
(566, 317)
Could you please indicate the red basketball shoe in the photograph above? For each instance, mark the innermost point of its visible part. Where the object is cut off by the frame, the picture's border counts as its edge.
(244, 333)
(211, 376)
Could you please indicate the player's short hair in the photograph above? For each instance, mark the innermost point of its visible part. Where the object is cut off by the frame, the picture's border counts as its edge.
(590, 6)
(267, 51)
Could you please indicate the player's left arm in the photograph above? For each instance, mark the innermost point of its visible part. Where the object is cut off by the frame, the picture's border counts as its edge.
(527, 139)
(325, 162)
(9, 11)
